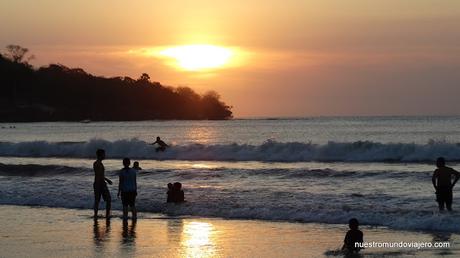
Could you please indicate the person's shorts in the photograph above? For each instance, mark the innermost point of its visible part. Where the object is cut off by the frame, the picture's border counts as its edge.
(444, 195)
(128, 198)
(101, 190)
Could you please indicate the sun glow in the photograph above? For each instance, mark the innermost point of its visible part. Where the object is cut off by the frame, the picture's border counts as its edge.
(199, 57)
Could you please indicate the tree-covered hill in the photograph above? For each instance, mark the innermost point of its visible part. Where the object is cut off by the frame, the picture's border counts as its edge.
(59, 93)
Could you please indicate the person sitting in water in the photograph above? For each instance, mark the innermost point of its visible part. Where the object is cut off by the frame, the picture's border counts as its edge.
(162, 145)
(169, 193)
(353, 236)
(175, 193)
(136, 165)
(442, 182)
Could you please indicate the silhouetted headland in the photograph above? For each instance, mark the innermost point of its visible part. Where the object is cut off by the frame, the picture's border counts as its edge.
(60, 93)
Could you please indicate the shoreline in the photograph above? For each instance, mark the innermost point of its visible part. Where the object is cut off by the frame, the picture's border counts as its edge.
(116, 213)
(58, 232)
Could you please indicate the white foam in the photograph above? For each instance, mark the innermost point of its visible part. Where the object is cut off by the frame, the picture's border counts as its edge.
(245, 196)
(268, 151)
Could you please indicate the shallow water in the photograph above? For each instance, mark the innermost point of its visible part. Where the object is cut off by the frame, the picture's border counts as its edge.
(47, 232)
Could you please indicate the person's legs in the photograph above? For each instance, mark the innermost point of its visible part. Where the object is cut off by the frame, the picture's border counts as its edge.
(443, 199)
(125, 212)
(124, 201)
(134, 211)
(96, 207)
(97, 198)
(108, 207)
(108, 201)
(441, 204)
(449, 200)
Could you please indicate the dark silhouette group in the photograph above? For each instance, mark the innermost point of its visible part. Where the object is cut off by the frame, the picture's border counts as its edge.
(444, 179)
(127, 186)
(175, 193)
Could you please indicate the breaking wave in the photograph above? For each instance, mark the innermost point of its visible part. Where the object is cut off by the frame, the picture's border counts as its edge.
(361, 151)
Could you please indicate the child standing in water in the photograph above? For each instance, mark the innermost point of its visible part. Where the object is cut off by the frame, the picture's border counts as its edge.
(127, 186)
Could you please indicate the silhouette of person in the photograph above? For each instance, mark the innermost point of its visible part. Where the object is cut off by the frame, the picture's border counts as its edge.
(442, 182)
(100, 186)
(162, 145)
(136, 165)
(353, 236)
(127, 187)
(170, 193)
(175, 193)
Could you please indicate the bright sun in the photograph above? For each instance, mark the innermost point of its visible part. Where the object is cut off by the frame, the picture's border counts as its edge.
(198, 57)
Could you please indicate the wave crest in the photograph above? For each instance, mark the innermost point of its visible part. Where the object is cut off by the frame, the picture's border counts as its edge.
(360, 151)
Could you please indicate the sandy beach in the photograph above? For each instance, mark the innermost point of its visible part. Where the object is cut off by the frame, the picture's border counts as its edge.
(57, 232)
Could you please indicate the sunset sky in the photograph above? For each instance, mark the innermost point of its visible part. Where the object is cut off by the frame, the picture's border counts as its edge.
(280, 58)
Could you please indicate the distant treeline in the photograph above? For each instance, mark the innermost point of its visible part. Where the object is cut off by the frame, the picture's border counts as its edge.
(59, 93)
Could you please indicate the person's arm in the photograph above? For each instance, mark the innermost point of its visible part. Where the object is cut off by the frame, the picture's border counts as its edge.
(154, 143)
(135, 181)
(433, 180)
(108, 180)
(120, 178)
(181, 196)
(345, 242)
(457, 176)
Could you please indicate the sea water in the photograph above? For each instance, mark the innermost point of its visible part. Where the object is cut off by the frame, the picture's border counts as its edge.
(324, 169)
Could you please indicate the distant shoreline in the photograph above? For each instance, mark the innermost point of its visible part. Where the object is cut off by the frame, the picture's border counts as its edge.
(247, 118)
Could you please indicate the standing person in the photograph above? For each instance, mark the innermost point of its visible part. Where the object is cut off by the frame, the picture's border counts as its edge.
(100, 186)
(443, 184)
(127, 186)
(162, 145)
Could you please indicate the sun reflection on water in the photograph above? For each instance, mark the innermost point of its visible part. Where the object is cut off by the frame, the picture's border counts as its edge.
(198, 240)
(203, 165)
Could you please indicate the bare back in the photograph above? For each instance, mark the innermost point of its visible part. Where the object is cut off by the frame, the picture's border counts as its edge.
(99, 172)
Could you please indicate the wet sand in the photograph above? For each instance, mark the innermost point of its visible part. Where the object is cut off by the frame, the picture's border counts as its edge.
(55, 232)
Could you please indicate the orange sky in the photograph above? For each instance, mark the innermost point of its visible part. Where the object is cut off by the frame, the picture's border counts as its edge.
(298, 58)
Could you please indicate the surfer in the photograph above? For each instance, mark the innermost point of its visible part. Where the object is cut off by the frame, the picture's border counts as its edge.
(100, 184)
(162, 145)
(443, 184)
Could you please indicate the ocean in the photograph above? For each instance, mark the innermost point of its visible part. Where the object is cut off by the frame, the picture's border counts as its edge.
(319, 170)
